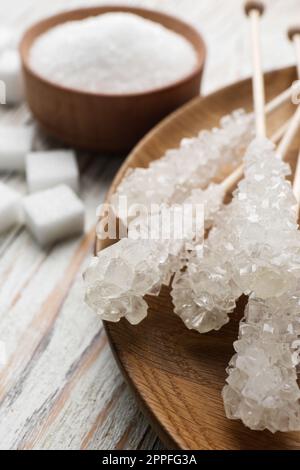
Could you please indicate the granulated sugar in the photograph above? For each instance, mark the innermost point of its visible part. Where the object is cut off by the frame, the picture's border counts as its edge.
(113, 53)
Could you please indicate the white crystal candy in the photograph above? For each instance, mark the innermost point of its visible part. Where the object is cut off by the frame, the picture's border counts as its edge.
(158, 246)
(171, 178)
(15, 143)
(265, 221)
(262, 388)
(48, 169)
(54, 214)
(212, 200)
(11, 75)
(120, 276)
(242, 253)
(10, 207)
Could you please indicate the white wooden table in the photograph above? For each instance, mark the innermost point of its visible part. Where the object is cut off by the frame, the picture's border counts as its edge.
(60, 387)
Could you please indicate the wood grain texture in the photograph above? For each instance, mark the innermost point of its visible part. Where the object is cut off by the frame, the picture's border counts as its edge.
(177, 374)
(67, 392)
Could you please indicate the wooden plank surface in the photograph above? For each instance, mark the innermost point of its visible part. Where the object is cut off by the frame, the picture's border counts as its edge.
(60, 387)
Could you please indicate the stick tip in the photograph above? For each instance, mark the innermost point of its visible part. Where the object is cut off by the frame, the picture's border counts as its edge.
(252, 5)
(294, 31)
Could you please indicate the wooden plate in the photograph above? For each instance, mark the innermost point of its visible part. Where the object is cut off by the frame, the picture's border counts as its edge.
(176, 374)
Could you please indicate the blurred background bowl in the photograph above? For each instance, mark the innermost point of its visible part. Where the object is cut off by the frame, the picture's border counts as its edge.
(105, 122)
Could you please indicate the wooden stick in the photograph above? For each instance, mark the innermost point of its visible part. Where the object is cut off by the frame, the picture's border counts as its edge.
(279, 100)
(289, 135)
(278, 135)
(231, 181)
(254, 11)
(254, 5)
(294, 35)
(296, 40)
(296, 185)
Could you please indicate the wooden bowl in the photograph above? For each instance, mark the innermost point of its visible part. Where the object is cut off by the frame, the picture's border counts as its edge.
(106, 122)
(177, 375)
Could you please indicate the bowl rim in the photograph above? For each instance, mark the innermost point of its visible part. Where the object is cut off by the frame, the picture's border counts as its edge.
(25, 47)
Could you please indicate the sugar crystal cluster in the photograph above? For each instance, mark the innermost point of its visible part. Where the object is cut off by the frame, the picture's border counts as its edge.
(156, 184)
(241, 254)
(211, 199)
(262, 388)
(156, 248)
(194, 164)
(120, 276)
(161, 250)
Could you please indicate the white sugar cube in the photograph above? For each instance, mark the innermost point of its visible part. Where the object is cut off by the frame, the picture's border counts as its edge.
(15, 143)
(11, 76)
(48, 169)
(53, 214)
(10, 207)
